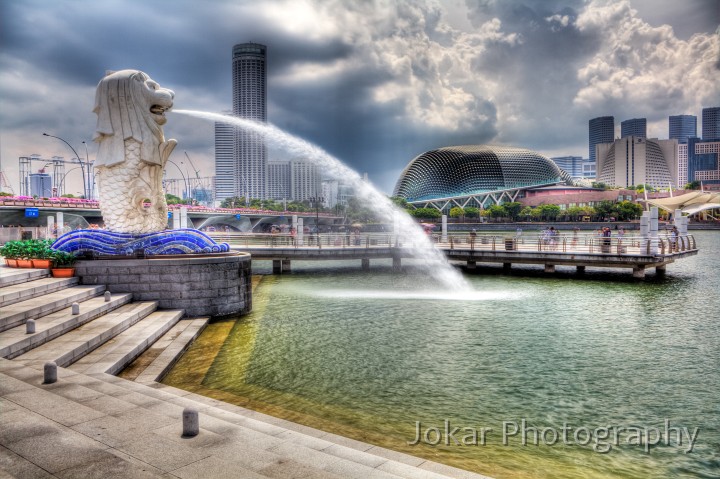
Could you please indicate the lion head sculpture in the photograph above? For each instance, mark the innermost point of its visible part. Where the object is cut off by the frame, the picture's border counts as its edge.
(129, 104)
(132, 151)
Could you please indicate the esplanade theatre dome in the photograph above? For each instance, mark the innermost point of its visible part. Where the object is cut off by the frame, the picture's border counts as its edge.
(461, 171)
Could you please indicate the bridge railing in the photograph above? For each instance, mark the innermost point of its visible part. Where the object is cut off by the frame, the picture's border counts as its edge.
(628, 244)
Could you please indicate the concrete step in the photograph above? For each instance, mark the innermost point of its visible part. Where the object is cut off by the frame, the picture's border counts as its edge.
(16, 341)
(33, 289)
(15, 314)
(10, 276)
(72, 346)
(113, 356)
(154, 363)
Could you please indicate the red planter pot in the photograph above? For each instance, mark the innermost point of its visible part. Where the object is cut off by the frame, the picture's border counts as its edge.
(11, 262)
(62, 272)
(24, 263)
(41, 263)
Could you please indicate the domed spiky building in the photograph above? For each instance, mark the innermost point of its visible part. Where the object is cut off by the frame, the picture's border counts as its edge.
(475, 175)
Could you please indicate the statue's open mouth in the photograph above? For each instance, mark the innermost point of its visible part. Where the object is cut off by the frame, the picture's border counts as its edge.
(159, 109)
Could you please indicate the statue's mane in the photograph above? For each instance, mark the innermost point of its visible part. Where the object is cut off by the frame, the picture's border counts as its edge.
(123, 114)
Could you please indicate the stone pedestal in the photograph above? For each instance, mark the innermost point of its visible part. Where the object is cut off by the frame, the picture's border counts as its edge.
(211, 285)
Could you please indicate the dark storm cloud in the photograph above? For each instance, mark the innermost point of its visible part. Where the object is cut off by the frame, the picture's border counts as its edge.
(373, 83)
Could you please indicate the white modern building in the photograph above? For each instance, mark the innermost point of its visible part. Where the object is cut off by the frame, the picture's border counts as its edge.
(245, 176)
(682, 156)
(634, 161)
(227, 183)
(294, 180)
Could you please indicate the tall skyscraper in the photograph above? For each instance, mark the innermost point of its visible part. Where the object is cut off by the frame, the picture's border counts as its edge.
(249, 94)
(602, 130)
(636, 127)
(711, 123)
(225, 166)
(682, 127)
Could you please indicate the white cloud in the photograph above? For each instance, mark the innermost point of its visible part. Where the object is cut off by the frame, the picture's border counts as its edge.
(645, 68)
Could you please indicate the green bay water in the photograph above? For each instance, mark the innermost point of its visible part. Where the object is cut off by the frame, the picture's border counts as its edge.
(368, 354)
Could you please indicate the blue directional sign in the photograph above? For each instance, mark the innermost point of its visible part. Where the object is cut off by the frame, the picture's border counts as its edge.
(169, 215)
(237, 217)
(32, 212)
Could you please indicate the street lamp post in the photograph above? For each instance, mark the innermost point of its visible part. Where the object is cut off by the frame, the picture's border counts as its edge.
(85, 194)
(317, 200)
(184, 178)
(90, 173)
(62, 181)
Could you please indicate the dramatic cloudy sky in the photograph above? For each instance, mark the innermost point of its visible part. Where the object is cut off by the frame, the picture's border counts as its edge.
(375, 83)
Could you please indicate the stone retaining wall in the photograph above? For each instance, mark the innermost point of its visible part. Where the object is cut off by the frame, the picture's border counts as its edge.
(202, 286)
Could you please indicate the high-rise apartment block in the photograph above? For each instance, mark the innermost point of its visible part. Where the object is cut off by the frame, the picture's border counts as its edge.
(249, 94)
(682, 127)
(636, 127)
(601, 130)
(711, 123)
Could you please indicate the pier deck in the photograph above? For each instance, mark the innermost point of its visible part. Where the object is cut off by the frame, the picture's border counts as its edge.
(581, 251)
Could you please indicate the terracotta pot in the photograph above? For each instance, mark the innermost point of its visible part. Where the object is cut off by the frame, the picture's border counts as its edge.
(41, 263)
(11, 262)
(62, 272)
(24, 263)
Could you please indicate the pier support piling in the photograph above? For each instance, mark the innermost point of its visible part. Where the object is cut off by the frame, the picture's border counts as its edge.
(549, 268)
(471, 265)
(507, 267)
(286, 268)
(277, 266)
(639, 272)
(397, 263)
(365, 263)
(580, 269)
(660, 270)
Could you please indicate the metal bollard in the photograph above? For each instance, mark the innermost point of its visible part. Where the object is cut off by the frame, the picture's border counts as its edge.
(107, 296)
(30, 326)
(75, 308)
(191, 422)
(50, 372)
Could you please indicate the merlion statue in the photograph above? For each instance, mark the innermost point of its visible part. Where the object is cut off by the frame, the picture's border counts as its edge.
(132, 151)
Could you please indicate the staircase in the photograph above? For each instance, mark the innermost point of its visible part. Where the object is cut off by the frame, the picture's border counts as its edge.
(91, 423)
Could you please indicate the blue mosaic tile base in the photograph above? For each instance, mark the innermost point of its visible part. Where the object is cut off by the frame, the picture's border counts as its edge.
(181, 241)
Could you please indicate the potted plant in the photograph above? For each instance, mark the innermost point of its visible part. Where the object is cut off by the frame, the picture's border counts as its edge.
(62, 264)
(11, 252)
(41, 253)
(24, 252)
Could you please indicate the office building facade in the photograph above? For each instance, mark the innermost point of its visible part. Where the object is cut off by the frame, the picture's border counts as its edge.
(634, 161)
(226, 177)
(704, 161)
(293, 180)
(636, 127)
(573, 165)
(601, 130)
(682, 127)
(711, 124)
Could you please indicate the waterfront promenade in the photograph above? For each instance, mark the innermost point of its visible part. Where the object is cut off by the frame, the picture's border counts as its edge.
(90, 423)
(569, 249)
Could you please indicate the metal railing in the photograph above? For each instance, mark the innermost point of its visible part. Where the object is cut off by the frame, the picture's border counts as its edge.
(628, 244)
